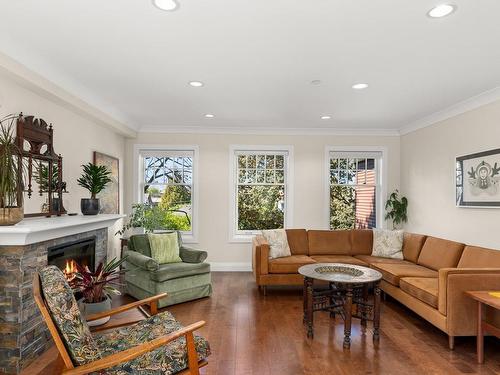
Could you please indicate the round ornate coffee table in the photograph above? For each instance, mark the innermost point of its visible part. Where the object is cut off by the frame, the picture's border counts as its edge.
(347, 295)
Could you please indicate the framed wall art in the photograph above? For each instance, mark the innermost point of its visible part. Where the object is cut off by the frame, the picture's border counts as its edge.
(478, 179)
(110, 196)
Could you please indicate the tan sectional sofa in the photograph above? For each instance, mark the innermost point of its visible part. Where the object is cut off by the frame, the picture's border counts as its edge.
(430, 280)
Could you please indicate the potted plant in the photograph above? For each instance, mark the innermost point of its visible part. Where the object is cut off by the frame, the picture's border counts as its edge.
(94, 178)
(396, 209)
(11, 174)
(97, 288)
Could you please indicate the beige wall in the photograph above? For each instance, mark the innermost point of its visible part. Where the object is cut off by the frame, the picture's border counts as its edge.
(75, 139)
(309, 203)
(428, 177)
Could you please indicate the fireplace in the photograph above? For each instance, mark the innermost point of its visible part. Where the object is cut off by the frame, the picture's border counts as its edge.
(65, 255)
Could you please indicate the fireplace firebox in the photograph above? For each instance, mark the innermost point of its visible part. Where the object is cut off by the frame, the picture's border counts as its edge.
(65, 255)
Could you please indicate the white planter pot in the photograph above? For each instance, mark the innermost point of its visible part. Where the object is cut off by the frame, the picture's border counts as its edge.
(94, 308)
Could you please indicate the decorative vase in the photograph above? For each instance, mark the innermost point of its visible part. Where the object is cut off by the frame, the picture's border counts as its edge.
(89, 206)
(11, 215)
(94, 308)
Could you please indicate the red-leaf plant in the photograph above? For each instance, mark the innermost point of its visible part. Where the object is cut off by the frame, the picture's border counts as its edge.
(96, 286)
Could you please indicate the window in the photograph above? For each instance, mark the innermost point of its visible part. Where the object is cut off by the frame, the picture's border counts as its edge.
(354, 189)
(260, 189)
(167, 180)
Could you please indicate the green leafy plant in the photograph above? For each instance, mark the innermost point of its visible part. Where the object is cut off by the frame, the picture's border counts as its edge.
(96, 286)
(396, 209)
(94, 178)
(154, 217)
(9, 167)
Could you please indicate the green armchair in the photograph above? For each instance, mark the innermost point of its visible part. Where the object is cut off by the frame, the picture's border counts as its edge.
(182, 282)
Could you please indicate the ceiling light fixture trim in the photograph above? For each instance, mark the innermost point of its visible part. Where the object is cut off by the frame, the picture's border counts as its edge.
(196, 84)
(442, 10)
(166, 5)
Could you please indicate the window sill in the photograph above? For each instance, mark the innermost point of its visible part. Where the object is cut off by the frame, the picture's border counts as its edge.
(242, 238)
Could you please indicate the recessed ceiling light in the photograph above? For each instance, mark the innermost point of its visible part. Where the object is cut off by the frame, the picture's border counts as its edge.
(316, 82)
(196, 83)
(326, 117)
(168, 5)
(441, 10)
(209, 115)
(360, 86)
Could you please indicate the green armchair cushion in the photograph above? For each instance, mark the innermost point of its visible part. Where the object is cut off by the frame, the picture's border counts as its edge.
(164, 248)
(67, 317)
(177, 270)
(140, 242)
(140, 260)
(189, 255)
(168, 359)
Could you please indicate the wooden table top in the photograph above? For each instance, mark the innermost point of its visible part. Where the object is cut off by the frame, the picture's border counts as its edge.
(485, 297)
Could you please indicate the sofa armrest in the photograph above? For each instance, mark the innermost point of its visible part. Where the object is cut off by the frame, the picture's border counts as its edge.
(459, 309)
(141, 261)
(260, 256)
(189, 255)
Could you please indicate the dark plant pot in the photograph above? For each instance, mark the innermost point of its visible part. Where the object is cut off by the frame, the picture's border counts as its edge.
(89, 206)
(56, 204)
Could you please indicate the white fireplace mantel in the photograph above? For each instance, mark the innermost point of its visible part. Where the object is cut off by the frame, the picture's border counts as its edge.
(33, 230)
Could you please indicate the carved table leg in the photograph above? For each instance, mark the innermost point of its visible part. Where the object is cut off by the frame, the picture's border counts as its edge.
(332, 299)
(376, 312)
(310, 311)
(363, 307)
(348, 317)
(304, 297)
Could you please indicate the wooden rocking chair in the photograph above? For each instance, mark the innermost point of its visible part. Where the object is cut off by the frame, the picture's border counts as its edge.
(124, 356)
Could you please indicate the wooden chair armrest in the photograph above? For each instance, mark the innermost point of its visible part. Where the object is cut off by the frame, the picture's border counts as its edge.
(129, 354)
(152, 301)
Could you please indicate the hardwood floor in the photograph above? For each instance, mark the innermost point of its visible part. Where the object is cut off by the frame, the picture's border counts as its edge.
(253, 334)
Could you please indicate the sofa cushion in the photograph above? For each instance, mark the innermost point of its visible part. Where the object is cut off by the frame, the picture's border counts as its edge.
(370, 259)
(412, 245)
(438, 253)
(297, 240)
(171, 271)
(289, 264)
(423, 288)
(477, 257)
(393, 272)
(361, 241)
(329, 242)
(347, 259)
(278, 243)
(388, 243)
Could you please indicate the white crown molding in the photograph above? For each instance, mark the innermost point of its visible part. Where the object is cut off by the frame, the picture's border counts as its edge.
(464, 106)
(230, 267)
(269, 131)
(51, 91)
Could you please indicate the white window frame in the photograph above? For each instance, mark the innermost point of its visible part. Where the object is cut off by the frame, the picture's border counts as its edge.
(246, 236)
(382, 175)
(187, 237)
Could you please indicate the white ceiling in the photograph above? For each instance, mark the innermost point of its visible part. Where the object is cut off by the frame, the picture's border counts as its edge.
(257, 59)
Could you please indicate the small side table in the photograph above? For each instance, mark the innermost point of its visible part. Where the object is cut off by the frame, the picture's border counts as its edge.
(484, 298)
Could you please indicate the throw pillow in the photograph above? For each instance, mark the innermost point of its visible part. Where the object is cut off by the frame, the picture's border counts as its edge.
(388, 243)
(278, 243)
(164, 247)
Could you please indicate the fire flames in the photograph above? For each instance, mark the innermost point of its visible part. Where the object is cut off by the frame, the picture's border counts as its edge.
(70, 270)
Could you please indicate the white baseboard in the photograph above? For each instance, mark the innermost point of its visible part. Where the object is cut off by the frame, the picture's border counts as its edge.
(230, 267)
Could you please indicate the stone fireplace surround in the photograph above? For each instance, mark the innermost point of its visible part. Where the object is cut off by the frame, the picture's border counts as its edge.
(23, 333)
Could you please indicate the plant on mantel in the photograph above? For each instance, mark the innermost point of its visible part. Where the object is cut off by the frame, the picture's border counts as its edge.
(94, 178)
(396, 209)
(11, 174)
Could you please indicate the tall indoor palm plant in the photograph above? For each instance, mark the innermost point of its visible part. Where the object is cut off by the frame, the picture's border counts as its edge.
(94, 178)
(11, 173)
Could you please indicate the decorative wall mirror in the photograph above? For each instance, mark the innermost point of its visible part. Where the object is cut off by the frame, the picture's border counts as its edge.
(44, 186)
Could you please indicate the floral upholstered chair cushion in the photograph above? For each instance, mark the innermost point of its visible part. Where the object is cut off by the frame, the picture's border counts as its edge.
(388, 243)
(168, 359)
(66, 316)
